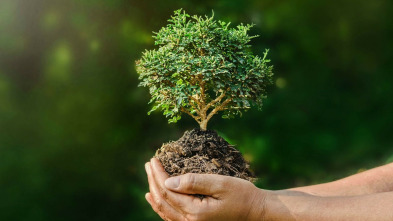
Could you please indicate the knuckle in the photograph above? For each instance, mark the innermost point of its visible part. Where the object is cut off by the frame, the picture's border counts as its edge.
(164, 193)
(159, 205)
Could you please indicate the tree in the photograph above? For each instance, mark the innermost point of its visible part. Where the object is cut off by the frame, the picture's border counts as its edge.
(203, 67)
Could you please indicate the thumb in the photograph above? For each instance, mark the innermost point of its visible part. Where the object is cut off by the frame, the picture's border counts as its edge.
(204, 184)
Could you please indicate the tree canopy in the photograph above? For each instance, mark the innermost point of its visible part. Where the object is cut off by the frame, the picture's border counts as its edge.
(202, 67)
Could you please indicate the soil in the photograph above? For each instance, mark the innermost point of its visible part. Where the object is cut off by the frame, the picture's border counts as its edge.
(203, 152)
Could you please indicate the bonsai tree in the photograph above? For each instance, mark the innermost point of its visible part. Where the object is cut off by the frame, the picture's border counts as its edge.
(203, 67)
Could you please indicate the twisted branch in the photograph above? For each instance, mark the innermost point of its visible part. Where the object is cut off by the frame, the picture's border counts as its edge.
(215, 110)
(189, 113)
(213, 102)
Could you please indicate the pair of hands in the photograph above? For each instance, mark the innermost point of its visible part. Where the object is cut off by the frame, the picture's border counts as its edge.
(227, 198)
(364, 196)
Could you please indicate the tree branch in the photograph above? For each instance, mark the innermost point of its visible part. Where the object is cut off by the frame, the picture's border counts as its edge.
(221, 107)
(194, 99)
(189, 113)
(197, 109)
(213, 102)
(239, 108)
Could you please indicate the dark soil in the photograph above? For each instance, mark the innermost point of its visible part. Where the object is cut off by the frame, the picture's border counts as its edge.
(200, 151)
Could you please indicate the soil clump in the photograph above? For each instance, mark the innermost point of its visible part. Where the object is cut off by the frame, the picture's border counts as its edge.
(203, 152)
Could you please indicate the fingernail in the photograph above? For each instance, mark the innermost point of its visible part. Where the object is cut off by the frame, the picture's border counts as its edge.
(172, 182)
(147, 167)
(147, 197)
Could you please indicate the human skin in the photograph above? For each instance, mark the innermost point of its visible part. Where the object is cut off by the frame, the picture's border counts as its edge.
(364, 196)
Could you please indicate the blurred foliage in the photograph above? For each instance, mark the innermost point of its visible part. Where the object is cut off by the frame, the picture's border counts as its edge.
(74, 134)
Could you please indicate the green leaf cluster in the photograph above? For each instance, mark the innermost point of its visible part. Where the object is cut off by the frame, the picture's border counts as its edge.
(203, 66)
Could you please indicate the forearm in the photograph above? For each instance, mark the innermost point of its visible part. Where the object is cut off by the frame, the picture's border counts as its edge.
(376, 180)
(279, 206)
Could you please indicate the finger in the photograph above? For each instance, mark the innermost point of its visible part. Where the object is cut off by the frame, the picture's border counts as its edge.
(158, 203)
(154, 186)
(181, 202)
(205, 184)
(154, 206)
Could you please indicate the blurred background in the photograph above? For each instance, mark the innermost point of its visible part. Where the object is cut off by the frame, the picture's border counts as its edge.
(74, 133)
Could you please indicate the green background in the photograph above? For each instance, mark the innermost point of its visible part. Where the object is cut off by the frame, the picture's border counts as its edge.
(74, 133)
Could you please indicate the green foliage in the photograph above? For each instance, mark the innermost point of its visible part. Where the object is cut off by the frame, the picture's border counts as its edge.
(203, 64)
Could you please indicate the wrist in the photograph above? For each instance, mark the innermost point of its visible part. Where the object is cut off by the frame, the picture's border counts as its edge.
(257, 207)
(269, 205)
(273, 207)
(283, 205)
(290, 205)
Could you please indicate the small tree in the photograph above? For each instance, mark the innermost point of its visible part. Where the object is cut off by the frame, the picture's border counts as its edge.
(202, 67)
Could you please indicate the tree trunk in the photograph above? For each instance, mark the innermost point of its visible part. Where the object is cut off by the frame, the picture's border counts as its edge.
(203, 125)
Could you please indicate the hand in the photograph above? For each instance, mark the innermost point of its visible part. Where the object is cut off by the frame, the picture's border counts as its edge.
(226, 198)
